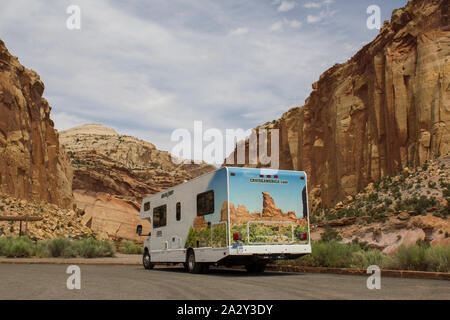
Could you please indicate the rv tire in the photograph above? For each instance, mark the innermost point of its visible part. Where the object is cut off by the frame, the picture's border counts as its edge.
(146, 260)
(192, 265)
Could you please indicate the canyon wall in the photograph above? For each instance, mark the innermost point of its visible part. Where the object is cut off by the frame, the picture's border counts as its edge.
(113, 172)
(32, 164)
(386, 108)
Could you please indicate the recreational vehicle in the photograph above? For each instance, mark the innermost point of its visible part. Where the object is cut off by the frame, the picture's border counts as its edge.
(232, 216)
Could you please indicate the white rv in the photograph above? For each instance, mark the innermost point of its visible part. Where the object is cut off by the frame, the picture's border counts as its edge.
(232, 216)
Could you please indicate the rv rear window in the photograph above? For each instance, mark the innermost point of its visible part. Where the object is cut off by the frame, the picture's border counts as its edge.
(178, 211)
(205, 203)
(160, 216)
(146, 206)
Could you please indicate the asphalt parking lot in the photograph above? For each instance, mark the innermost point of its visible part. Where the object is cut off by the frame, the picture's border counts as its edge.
(42, 281)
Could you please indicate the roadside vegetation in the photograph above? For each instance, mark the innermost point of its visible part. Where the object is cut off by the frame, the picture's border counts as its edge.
(22, 247)
(129, 247)
(333, 254)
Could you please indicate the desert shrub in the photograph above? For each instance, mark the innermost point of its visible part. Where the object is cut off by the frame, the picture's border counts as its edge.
(364, 245)
(373, 196)
(5, 243)
(329, 254)
(330, 235)
(422, 257)
(91, 248)
(438, 259)
(363, 259)
(409, 258)
(57, 247)
(129, 247)
(19, 248)
(41, 249)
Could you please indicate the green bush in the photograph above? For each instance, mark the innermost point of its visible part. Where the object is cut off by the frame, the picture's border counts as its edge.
(19, 248)
(329, 254)
(330, 235)
(90, 248)
(438, 259)
(41, 249)
(57, 247)
(363, 259)
(420, 257)
(5, 243)
(129, 247)
(24, 247)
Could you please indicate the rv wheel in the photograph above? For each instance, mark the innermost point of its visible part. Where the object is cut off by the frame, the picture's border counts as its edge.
(192, 265)
(255, 267)
(146, 261)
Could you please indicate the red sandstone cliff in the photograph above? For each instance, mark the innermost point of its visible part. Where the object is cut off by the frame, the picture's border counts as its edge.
(32, 164)
(385, 108)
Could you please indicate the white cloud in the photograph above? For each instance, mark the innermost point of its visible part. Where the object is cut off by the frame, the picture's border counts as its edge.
(323, 14)
(311, 5)
(286, 6)
(313, 19)
(294, 23)
(279, 25)
(317, 5)
(238, 32)
(276, 26)
(146, 69)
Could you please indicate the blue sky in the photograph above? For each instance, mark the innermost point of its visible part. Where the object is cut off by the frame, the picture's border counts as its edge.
(149, 67)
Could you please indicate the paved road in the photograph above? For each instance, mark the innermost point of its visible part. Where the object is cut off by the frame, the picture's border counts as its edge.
(133, 282)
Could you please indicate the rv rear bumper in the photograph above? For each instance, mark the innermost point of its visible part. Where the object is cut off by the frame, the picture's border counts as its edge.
(263, 254)
(270, 250)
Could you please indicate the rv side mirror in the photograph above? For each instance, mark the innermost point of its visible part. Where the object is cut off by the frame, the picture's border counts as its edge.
(139, 230)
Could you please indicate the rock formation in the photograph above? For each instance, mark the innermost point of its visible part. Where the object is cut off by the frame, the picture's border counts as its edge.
(56, 222)
(32, 164)
(112, 173)
(385, 108)
(269, 207)
(399, 210)
(270, 212)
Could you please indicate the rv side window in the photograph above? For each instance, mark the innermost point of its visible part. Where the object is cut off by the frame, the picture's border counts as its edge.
(160, 216)
(205, 203)
(146, 206)
(178, 211)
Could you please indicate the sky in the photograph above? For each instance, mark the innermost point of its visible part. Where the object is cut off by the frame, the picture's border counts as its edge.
(149, 67)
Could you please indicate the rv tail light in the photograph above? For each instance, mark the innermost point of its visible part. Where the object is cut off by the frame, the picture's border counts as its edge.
(269, 176)
(303, 236)
(275, 176)
(302, 178)
(237, 236)
(261, 176)
(232, 174)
